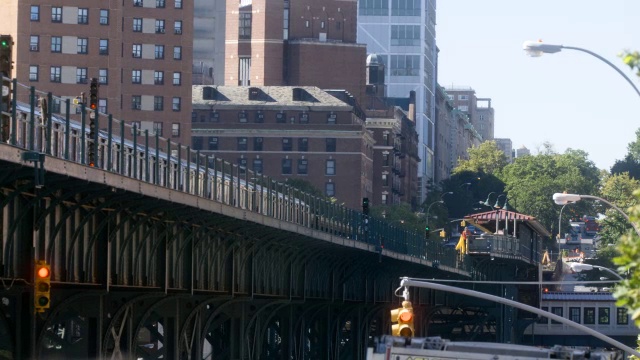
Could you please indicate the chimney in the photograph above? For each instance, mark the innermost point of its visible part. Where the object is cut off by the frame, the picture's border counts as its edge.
(412, 106)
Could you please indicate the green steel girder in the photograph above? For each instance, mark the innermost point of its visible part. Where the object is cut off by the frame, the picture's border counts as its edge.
(188, 334)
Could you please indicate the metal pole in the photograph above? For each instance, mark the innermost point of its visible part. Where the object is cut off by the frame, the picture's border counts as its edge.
(560, 226)
(406, 282)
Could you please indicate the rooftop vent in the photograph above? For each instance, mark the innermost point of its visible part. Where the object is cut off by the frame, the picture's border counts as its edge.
(209, 93)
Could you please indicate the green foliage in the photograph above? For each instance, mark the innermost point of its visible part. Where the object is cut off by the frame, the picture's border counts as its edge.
(631, 59)
(305, 186)
(618, 190)
(486, 158)
(627, 292)
(399, 216)
(532, 180)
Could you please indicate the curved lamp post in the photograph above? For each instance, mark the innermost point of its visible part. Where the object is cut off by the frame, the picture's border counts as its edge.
(560, 226)
(441, 201)
(563, 199)
(578, 267)
(537, 48)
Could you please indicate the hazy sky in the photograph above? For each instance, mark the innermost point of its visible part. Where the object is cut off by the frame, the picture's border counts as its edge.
(570, 99)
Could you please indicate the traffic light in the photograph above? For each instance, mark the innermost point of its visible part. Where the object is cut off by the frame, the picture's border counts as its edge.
(93, 94)
(426, 231)
(42, 286)
(365, 206)
(6, 48)
(404, 318)
(443, 233)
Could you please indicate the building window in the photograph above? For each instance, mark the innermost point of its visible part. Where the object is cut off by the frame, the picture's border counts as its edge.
(242, 116)
(574, 314)
(158, 103)
(177, 27)
(385, 139)
(385, 159)
(257, 144)
(81, 75)
(307, 23)
(332, 118)
(589, 315)
(157, 128)
(385, 180)
(257, 166)
(103, 76)
(331, 167)
(34, 43)
(242, 166)
(304, 118)
(405, 7)
(135, 127)
(213, 143)
(35, 13)
(158, 77)
(159, 52)
(214, 116)
(160, 3)
(604, 315)
(56, 74)
(104, 46)
(175, 129)
(83, 16)
(177, 79)
(331, 144)
(137, 50)
(557, 310)
(405, 35)
(330, 189)
(56, 14)
(102, 106)
(136, 76)
(302, 166)
(622, 318)
(244, 71)
(463, 108)
(384, 199)
(136, 102)
(159, 26)
(137, 2)
(259, 117)
(83, 46)
(137, 25)
(242, 144)
(374, 7)
(286, 144)
(303, 144)
(244, 31)
(33, 72)
(177, 53)
(104, 17)
(481, 117)
(405, 65)
(178, 4)
(286, 166)
(56, 44)
(281, 118)
(463, 97)
(176, 104)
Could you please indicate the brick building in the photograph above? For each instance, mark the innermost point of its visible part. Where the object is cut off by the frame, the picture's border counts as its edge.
(297, 43)
(139, 50)
(288, 132)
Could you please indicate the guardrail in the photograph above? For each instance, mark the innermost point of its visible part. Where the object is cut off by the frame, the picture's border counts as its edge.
(100, 141)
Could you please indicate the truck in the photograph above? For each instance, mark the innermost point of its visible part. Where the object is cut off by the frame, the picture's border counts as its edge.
(436, 348)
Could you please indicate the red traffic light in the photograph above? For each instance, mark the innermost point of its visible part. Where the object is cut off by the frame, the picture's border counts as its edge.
(44, 272)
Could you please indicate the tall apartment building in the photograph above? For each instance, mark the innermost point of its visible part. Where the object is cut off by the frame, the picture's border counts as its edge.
(208, 42)
(139, 50)
(402, 35)
(294, 43)
(507, 147)
(288, 132)
(455, 134)
(480, 112)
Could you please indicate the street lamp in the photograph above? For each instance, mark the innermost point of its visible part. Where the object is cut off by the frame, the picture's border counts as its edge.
(497, 205)
(563, 199)
(578, 267)
(537, 48)
(429, 209)
(486, 202)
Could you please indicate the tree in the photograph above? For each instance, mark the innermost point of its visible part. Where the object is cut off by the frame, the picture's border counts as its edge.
(627, 292)
(531, 181)
(617, 189)
(631, 162)
(486, 158)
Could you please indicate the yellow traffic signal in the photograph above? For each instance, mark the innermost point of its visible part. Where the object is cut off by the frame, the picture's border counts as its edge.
(42, 286)
(463, 223)
(404, 318)
(443, 233)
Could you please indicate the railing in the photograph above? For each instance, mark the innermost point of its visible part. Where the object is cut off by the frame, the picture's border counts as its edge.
(502, 245)
(123, 149)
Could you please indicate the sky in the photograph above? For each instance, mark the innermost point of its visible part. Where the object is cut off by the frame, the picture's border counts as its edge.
(570, 99)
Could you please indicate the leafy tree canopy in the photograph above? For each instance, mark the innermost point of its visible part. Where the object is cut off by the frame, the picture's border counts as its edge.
(486, 158)
(627, 292)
